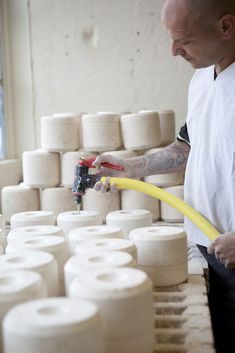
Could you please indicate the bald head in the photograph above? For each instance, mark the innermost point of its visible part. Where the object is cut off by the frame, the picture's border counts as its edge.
(206, 11)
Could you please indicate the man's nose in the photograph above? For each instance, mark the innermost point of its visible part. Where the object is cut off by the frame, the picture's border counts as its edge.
(177, 49)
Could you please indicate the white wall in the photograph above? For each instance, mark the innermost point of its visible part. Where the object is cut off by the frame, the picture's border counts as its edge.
(90, 55)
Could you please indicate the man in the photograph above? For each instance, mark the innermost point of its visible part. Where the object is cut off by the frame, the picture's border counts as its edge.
(203, 33)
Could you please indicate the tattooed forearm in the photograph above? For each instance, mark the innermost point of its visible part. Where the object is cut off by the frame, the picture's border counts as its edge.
(171, 159)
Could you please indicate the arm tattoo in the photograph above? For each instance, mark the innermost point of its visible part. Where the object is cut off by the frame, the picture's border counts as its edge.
(172, 158)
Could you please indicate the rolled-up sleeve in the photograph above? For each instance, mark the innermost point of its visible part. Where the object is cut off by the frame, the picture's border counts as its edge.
(183, 135)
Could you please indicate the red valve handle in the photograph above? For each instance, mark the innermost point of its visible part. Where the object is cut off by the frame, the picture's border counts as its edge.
(88, 163)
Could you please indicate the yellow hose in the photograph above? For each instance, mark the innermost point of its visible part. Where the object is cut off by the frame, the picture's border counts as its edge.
(181, 206)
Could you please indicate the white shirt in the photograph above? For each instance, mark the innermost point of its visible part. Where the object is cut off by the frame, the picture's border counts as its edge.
(210, 172)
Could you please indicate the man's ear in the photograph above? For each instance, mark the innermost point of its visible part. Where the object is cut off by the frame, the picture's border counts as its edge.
(227, 26)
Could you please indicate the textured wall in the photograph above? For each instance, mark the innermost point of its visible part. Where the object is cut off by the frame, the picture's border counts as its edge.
(90, 55)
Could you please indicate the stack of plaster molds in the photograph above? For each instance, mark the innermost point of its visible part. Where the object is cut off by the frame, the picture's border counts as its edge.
(37, 261)
(62, 135)
(104, 245)
(92, 232)
(93, 261)
(77, 219)
(55, 245)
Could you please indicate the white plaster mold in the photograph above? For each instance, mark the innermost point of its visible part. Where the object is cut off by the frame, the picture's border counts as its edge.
(101, 132)
(118, 293)
(162, 253)
(57, 200)
(111, 244)
(41, 169)
(53, 324)
(19, 198)
(129, 219)
(32, 218)
(141, 130)
(33, 231)
(76, 219)
(60, 133)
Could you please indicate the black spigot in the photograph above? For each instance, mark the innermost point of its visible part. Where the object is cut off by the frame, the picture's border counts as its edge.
(83, 180)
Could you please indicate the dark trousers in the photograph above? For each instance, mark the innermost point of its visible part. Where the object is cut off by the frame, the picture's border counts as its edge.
(221, 297)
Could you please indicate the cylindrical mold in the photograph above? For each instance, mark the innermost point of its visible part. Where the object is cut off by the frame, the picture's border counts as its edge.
(41, 262)
(101, 202)
(167, 125)
(78, 116)
(2, 221)
(19, 198)
(53, 325)
(141, 130)
(129, 219)
(118, 293)
(95, 260)
(57, 246)
(162, 254)
(169, 213)
(59, 133)
(68, 163)
(123, 154)
(92, 232)
(111, 244)
(57, 200)
(34, 218)
(41, 169)
(17, 287)
(164, 180)
(76, 219)
(131, 199)
(33, 231)
(101, 132)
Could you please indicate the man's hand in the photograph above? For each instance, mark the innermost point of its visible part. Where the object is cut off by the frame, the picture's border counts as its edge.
(224, 248)
(104, 187)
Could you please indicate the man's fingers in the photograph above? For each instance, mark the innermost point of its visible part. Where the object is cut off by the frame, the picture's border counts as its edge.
(106, 186)
(97, 186)
(113, 188)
